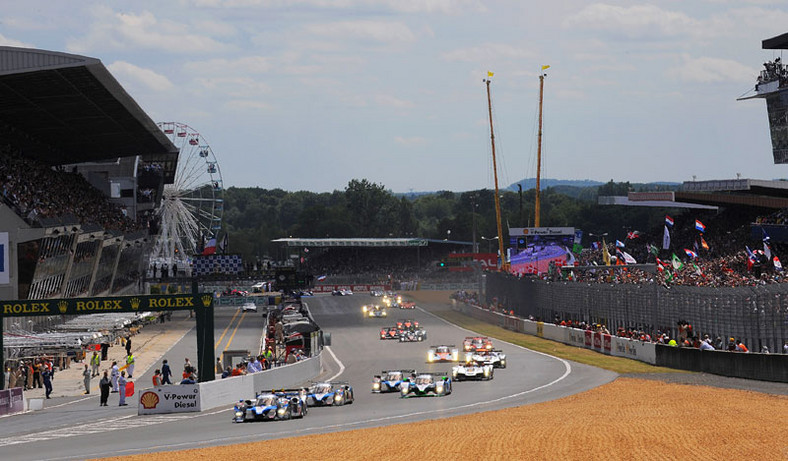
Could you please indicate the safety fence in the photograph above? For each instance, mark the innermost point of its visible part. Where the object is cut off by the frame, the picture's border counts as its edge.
(758, 316)
(767, 367)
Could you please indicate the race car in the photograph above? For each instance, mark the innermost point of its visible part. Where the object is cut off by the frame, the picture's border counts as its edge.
(389, 333)
(249, 307)
(407, 324)
(494, 357)
(472, 370)
(325, 394)
(426, 385)
(376, 293)
(271, 406)
(414, 335)
(374, 311)
(390, 380)
(443, 353)
(342, 292)
(475, 343)
(407, 305)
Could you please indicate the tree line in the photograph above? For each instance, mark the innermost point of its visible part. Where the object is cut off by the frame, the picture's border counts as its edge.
(255, 216)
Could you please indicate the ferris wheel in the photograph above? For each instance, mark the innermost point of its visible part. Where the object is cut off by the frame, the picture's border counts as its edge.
(192, 207)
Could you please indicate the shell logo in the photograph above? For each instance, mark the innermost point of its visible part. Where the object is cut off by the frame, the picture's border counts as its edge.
(149, 400)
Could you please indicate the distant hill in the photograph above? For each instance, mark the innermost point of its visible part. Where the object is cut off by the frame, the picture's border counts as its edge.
(544, 183)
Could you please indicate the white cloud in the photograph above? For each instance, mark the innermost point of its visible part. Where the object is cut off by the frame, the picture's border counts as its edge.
(634, 22)
(112, 30)
(710, 70)
(126, 71)
(451, 7)
(488, 52)
(381, 31)
(5, 41)
(391, 101)
(222, 66)
(411, 141)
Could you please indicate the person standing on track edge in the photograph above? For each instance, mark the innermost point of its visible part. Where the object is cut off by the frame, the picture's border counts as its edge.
(165, 373)
(115, 373)
(47, 375)
(105, 385)
(128, 345)
(95, 362)
(130, 364)
(86, 378)
(122, 387)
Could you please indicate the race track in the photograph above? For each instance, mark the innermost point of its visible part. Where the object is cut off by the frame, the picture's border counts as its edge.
(95, 432)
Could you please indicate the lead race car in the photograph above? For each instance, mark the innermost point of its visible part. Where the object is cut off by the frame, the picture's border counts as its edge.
(494, 357)
(443, 353)
(472, 370)
(271, 406)
(426, 385)
(390, 380)
(329, 393)
(476, 343)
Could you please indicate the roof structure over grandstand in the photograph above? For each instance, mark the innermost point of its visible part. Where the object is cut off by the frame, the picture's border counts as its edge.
(711, 194)
(779, 42)
(62, 108)
(353, 242)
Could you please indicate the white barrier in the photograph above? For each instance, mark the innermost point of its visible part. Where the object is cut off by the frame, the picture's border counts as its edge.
(606, 344)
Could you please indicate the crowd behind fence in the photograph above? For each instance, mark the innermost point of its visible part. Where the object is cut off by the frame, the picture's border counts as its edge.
(758, 316)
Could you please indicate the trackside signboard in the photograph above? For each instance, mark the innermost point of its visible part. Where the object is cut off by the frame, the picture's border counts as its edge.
(178, 398)
(81, 306)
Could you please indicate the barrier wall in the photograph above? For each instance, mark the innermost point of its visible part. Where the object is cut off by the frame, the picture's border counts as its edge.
(11, 401)
(765, 367)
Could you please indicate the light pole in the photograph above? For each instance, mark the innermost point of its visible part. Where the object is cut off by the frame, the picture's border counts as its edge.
(475, 248)
(448, 234)
(489, 250)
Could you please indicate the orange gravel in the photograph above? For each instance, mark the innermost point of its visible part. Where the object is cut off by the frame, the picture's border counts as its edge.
(627, 419)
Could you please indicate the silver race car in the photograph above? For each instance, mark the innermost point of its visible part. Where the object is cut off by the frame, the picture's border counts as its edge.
(472, 370)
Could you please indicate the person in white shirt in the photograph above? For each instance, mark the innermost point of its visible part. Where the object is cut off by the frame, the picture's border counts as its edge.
(115, 373)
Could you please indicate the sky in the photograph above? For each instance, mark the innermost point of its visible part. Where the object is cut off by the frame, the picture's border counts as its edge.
(309, 94)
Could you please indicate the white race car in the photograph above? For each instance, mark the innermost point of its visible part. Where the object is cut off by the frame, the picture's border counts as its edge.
(249, 307)
(495, 357)
(472, 370)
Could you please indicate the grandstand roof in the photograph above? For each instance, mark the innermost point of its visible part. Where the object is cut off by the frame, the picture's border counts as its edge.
(353, 242)
(779, 42)
(62, 108)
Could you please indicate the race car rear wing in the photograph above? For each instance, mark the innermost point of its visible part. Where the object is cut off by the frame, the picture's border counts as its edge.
(442, 345)
(403, 371)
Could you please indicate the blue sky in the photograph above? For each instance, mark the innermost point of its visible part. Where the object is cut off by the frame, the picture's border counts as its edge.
(308, 94)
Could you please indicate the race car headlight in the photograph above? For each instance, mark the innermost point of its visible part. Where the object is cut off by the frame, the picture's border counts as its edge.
(455, 356)
(429, 357)
(439, 389)
(238, 414)
(404, 390)
(363, 308)
(384, 313)
(376, 386)
(486, 372)
(280, 411)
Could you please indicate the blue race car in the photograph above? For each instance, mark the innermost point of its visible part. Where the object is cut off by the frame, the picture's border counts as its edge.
(390, 380)
(426, 385)
(271, 406)
(324, 394)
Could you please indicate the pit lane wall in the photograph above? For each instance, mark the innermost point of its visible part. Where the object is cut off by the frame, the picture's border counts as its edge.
(228, 391)
(764, 367)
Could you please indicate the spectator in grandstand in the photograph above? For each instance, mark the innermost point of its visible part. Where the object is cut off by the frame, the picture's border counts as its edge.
(704, 346)
(740, 347)
(785, 348)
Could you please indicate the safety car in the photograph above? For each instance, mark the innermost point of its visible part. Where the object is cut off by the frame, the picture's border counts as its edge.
(443, 353)
(390, 380)
(472, 370)
(494, 357)
(475, 343)
(271, 406)
(323, 394)
(426, 385)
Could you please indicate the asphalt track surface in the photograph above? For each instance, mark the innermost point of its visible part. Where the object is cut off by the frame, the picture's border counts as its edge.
(81, 429)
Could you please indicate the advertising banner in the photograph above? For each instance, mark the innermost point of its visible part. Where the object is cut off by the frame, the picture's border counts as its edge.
(597, 340)
(353, 288)
(5, 275)
(606, 343)
(111, 304)
(178, 398)
(11, 401)
(588, 334)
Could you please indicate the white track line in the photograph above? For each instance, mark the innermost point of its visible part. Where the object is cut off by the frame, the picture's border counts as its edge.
(341, 365)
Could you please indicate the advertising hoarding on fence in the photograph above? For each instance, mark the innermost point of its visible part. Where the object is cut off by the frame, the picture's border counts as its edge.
(354, 288)
(11, 401)
(178, 398)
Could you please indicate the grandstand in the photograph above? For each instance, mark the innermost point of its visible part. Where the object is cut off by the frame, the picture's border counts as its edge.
(75, 152)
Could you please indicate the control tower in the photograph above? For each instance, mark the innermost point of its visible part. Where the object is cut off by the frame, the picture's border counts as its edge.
(772, 85)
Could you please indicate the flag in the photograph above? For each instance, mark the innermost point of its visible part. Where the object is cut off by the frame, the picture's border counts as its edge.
(697, 269)
(224, 243)
(210, 247)
(767, 249)
(577, 248)
(750, 257)
(668, 221)
(321, 278)
(703, 243)
(676, 262)
(660, 265)
(691, 254)
(633, 235)
(777, 264)
(545, 67)
(619, 244)
(595, 245)
(570, 258)
(605, 253)
(628, 258)
(668, 276)
(306, 250)
(489, 74)
(653, 250)
(699, 226)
